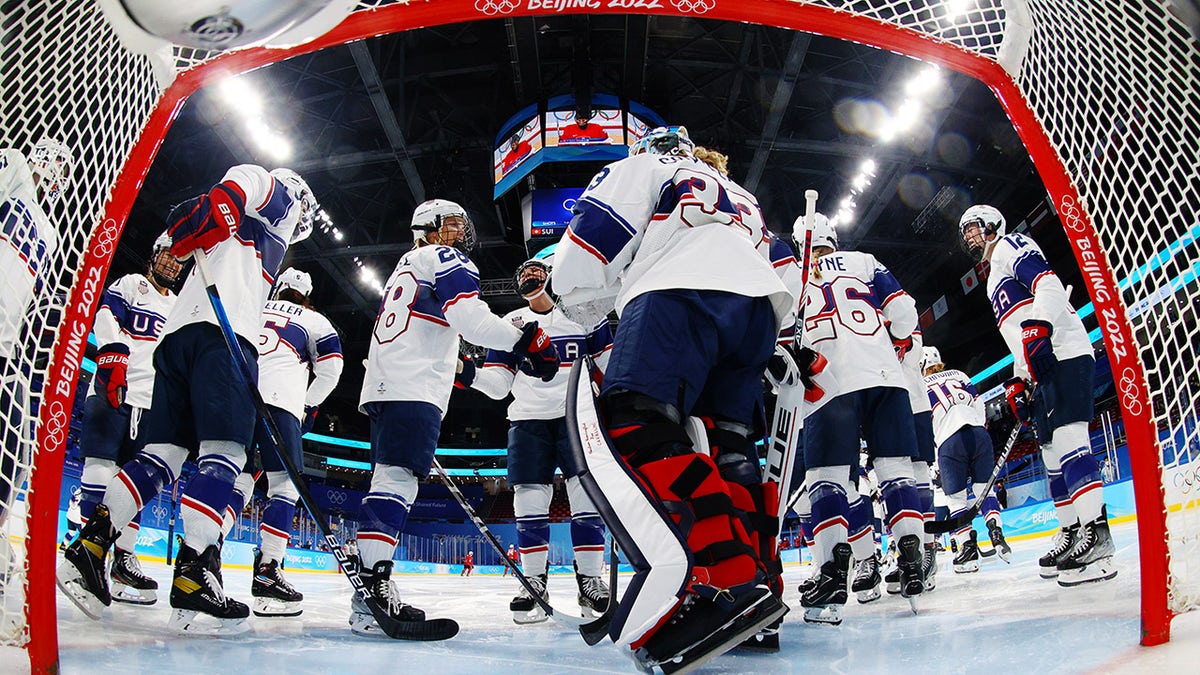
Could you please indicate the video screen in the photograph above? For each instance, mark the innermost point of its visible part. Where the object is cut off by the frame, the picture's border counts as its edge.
(524, 142)
(550, 211)
(564, 127)
(635, 128)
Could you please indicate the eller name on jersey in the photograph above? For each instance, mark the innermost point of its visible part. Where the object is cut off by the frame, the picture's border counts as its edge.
(134, 313)
(294, 341)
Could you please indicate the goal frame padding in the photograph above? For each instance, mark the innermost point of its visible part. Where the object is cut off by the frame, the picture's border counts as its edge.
(1133, 393)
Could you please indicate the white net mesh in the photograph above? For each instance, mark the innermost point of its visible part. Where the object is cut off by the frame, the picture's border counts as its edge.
(1113, 83)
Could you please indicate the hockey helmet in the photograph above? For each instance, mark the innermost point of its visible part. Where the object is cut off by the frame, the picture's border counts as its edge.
(980, 227)
(298, 189)
(435, 215)
(930, 357)
(296, 280)
(664, 141)
(823, 233)
(528, 281)
(164, 267)
(50, 162)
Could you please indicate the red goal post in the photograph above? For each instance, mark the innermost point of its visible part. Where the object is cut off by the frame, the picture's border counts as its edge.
(1102, 93)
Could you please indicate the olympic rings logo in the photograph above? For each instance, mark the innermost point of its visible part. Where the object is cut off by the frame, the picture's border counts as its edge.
(1186, 479)
(694, 6)
(336, 497)
(491, 7)
(1131, 391)
(56, 424)
(106, 238)
(1071, 214)
(159, 512)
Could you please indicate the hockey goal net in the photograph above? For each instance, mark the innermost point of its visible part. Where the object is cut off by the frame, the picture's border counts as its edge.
(1102, 92)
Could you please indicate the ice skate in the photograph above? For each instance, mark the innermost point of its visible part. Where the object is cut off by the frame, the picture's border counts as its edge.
(198, 601)
(999, 545)
(81, 575)
(765, 641)
(929, 565)
(967, 560)
(1092, 558)
(129, 584)
(524, 608)
(273, 595)
(891, 581)
(908, 561)
(701, 629)
(1064, 543)
(867, 581)
(378, 580)
(593, 595)
(823, 602)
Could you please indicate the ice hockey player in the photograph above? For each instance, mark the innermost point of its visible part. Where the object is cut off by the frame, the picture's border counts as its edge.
(964, 454)
(856, 387)
(74, 519)
(468, 564)
(1051, 388)
(128, 325)
(681, 253)
(513, 556)
(296, 343)
(431, 298)
(28, 189)
(538, 442)
(244, 224)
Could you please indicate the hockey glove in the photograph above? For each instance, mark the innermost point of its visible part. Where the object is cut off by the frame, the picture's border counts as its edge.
(464, 375)
(1039, 352)
(1019, 400)
(536, 347)
(811, 364)
(112, 360)
(205, 221)
(310, 419)
(902, 346)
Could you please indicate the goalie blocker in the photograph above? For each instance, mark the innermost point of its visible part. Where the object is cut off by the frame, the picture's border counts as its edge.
(705, 620)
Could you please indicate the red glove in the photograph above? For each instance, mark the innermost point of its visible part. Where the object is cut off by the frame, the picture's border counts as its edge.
(1019, 400)
(535, 346)
(465, 373)
(811, 363)
(1039, 351)
(111, 363)
(205, 221)
(902, 346)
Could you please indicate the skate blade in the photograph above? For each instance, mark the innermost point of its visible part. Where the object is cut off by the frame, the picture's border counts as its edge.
(1048, 572)
(763, 642)
(1006, 556)
(271, 607)
(133, 596)
(1092, 573)
(868, 596)
(588, 612)
(930, 584)
(966, 569)
(70, 583)
(674, 667)
(893, 589)
(535, 615)
(830, 615)
(914, 604)
(191, 622)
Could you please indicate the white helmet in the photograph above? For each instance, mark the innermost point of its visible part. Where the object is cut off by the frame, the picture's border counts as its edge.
(299, 191)
(930, 357)
(664, 141)
(164, 268)
(991, 224)
(429, 216)
(296, 280)
(823, 233)
(50, 162)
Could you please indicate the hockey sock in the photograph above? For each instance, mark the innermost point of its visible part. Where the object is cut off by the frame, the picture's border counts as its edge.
(385, 509)
(587, 530)
(209, 491)
(276, 527)
(991, 509)
(1080, 471)
(242, 487)
(531, 505)
(900, 499)
(141, 479)
(827, 489)
(924, 494)
(96, 475)
(861, 533)
(957, 504)
(127, 541)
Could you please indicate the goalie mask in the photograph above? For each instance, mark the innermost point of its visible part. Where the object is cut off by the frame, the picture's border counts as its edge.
(531, 277)
(930, 357)
(296, 280)
(446, 219)
(50, 163)
(823, 233)
(672, 141)
(164, 267)
(299, 191)
(980, 227)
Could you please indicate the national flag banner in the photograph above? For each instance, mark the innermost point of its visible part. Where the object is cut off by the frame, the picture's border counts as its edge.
(925, 320)
(940, 308)
(969, 281)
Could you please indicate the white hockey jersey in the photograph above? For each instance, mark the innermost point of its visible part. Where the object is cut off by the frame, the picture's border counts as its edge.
(1022, 286)
(914, 381)
(243, 266)
(134, 313)
(783, 259)
(294, 342)
(534, 399)
(431, 298)
(954, 402)
(27, 241)
(846, 317)
(652, 222)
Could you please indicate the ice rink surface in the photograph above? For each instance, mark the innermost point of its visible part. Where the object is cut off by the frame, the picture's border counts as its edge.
(1002, 619)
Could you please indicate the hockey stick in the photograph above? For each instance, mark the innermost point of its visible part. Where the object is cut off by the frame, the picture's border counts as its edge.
(432, 629)
(964, 519)
(564, 619)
